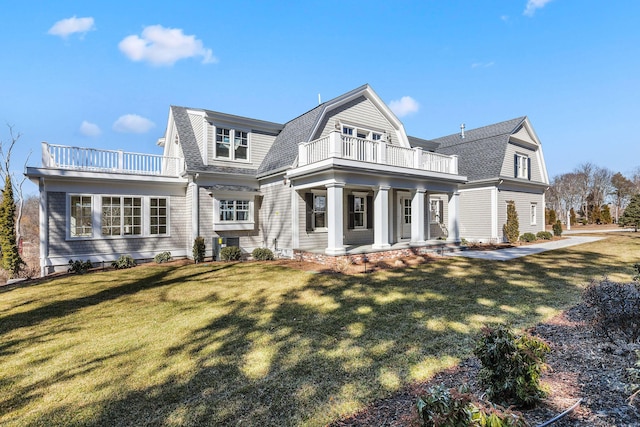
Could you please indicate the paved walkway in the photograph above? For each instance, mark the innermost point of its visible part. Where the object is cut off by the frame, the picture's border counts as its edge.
(512, 253)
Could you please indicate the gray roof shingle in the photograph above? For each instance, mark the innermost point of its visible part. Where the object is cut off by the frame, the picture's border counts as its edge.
(481, 152)
(284, 150)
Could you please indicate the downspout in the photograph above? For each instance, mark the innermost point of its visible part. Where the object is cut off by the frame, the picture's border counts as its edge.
(195, 211)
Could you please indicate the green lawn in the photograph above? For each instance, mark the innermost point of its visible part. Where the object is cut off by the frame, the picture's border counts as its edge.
(258, 344)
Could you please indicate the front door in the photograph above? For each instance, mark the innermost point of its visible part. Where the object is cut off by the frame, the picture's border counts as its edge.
(405, 217)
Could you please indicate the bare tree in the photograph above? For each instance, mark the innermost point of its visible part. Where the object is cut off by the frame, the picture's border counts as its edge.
(584, 183)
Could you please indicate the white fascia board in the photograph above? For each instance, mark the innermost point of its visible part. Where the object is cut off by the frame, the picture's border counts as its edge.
(74, 175)
(231, 120)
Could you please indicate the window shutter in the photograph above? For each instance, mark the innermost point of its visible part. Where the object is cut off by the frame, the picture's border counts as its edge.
(529, 168)
(369, 212)
(515, 165)
(308, 199)
(351, 215)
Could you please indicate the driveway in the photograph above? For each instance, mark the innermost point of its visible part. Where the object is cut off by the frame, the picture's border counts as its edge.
(512, 253)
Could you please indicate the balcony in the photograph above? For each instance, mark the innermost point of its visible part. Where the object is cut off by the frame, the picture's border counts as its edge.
(112, 161)
(336, 145)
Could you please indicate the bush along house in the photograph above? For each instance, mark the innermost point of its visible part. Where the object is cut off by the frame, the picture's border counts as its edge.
(343, 179)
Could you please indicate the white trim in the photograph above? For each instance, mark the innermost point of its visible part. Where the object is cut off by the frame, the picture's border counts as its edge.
(219, 225)
(232, 135)
(494, 213)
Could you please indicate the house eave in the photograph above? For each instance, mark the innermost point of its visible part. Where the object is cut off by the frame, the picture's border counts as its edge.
(371, 168)
(35, 173)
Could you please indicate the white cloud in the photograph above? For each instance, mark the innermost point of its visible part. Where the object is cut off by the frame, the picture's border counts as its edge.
(132, 123)
(65, 27)
(164, 46)
(533, 5)
(482, 64)
(89, 129)
(404, 106)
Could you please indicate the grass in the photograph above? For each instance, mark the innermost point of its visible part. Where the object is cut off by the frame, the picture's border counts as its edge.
(258, 344)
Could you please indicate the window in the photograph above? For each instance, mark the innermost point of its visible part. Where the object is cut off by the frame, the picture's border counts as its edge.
(534, 214)
(80, 224)
(223, 139)
(360, 210)
(361, 133)
(158, 215)
(234, 210)
(522, 166)
(319, 211)
(437, 208)
(121, 216)
(224, 150)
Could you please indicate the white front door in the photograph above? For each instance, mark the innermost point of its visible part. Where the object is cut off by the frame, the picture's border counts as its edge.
(405, 217)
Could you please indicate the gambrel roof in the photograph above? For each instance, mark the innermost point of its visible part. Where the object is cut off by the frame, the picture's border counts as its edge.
(482, 151)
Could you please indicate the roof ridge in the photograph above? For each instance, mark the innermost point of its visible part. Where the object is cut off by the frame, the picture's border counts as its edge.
(519, 120)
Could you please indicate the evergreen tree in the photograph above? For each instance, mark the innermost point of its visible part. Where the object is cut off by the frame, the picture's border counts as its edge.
(605, 214)
(511, 228)
(551, 217)
(596, 215)
(572, 216)
(631, 215)
(11, 261)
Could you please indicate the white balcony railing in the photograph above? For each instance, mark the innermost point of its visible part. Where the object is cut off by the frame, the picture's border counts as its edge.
(94, 160)
(336, 145)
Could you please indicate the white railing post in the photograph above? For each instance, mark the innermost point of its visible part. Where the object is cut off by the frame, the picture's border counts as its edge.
(335, 144)
(302, 154)
(453, 165)
(417, 157)
(46, 156)
(120, 160)
(382, 152)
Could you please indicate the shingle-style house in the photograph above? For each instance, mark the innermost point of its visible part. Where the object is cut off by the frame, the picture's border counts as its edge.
(340, 179)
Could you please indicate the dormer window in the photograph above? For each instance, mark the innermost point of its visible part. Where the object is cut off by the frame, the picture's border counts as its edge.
(224, 149)
(361, 133)
(522, 166)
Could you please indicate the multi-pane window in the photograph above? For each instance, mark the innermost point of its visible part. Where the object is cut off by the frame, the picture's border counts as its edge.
(224, 149)
(234, 210)
(359, 212)
(241, 145)
(157, 215)
(522, 166)
(223, 141)
(80, 224)
(121, 216)
(319, 211)
(407, 211)
(361, 133)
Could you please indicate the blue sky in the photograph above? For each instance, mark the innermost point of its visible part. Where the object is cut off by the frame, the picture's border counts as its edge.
(103, 74)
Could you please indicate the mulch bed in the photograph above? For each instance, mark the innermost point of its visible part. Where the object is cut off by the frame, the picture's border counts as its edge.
(581, 366)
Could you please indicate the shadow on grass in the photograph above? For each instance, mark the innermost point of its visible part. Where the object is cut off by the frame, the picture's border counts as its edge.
(311, 352)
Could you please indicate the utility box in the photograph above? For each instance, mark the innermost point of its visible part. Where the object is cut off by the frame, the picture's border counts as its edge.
(222, 242)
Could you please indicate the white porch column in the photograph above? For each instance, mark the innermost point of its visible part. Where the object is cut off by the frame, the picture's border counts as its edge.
(417, 217)
(427, 197)
(335, 222)
(454, 215)
(44, 228)
(195, 213)
(381, 219)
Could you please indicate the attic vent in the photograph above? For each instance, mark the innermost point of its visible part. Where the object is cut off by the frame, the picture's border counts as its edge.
(462, 131)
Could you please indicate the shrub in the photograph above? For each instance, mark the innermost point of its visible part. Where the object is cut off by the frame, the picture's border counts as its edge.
(511, 366)
(633, 376)
(615, 308)
(636, 266)
(230, 253)
(528, 237)
(79, 267)
(262, 254)
(162, 257)
(544, 235)
(557, 228)
(199, 249)
(511, 228)
(125, 261)
(442, 407)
